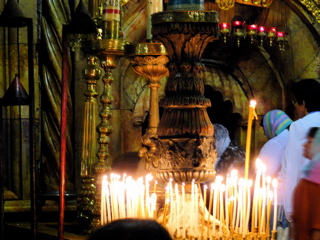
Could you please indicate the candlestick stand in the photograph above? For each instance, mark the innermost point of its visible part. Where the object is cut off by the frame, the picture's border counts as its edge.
(149, 60)
(89, 144)
(108, 51)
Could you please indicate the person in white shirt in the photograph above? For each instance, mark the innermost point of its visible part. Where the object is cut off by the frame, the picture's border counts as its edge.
(275, 124)
(306, 102)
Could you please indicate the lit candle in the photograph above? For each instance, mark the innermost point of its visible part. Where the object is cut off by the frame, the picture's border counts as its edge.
(165, 207)
(251, 115)
(109, 215)
(149, 10)
(215, 187)
(157, 6)
(256, 193)
(249, 184)
(227, 202)
(262, 221)
(184, 211)
(177, 209)
(171, 201)
(222, 189)
(155, 186)
(235, 205)
(196, 210)
(275, 202)
(239, 207)
(204, 207)
(111, 19)
(192, 214)
(210, 208)
(270, 196)
(103, 213)
(154, 205)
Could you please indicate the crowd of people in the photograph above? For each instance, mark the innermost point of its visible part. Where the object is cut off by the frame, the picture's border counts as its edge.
(291, 154)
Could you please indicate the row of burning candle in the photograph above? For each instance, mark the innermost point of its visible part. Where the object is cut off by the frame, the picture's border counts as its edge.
(225, 209)
(252, 30)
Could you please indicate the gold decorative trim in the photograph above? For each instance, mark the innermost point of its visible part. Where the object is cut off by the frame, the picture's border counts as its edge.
(185, 16)
(107, 44)
(145, 49)
(313, 8)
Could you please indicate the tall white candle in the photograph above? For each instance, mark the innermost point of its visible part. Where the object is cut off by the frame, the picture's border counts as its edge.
(222, 189)
(157, 6)
(103, 214)
(177, 209)
(184, 207)
(262, 221)
(249, 184)
(214, 209)
(275, 202)
(149, 10)
(209, 210)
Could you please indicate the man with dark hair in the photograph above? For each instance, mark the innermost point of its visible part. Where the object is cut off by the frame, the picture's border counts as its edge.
(307, 114)
(131, 229)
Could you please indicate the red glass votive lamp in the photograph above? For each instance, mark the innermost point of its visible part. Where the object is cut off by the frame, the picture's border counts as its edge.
(251, 31)
(272, 33)
(282, 39)
(225, 29)
(262, 33)
(238, 24)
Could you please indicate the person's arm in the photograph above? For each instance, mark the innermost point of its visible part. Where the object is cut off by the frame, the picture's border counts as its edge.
(291, 165)
(271, 155)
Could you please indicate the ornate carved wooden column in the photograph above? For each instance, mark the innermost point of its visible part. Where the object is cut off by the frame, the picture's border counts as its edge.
(185, 149)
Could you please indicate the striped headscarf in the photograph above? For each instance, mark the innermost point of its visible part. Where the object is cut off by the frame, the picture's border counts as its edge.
(274, 122)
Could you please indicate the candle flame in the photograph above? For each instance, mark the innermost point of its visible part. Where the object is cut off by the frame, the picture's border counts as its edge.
(268, 179)
(253, 103)
(270, 195)
(219, 178)
(249, 183)
(275, 183)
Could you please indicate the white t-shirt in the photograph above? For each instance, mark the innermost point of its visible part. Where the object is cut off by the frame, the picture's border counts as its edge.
(272, 154)
(294, 161)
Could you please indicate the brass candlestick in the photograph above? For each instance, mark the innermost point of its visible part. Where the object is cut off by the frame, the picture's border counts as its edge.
(149, 60)
(108, 51)
(89, 144)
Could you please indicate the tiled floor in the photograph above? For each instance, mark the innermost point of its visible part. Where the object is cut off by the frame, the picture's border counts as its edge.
(18, 226)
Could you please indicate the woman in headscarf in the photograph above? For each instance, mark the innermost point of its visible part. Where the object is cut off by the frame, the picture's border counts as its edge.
(306, 209)
(276, 125)
(229, 154)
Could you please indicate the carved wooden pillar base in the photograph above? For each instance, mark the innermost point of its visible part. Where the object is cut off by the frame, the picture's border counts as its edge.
(185, 143)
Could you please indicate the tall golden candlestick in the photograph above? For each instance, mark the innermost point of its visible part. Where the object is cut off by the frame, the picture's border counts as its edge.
(251, 115)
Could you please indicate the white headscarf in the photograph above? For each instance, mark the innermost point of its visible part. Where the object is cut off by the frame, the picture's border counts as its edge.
(222, 139)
